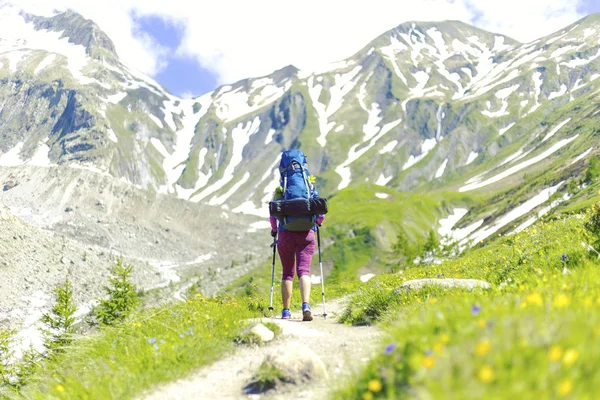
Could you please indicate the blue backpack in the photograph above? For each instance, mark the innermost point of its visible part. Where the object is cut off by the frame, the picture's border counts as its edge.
(295, 184)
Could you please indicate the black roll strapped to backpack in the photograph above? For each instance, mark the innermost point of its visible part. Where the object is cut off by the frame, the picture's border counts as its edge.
(298, 207)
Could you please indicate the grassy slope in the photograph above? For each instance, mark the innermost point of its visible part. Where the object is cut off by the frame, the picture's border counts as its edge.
(155, 346)
(529, 336)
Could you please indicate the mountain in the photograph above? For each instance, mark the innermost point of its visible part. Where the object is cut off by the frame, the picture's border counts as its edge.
(424, 107)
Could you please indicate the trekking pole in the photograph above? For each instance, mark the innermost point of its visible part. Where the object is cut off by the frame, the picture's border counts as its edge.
(321, 267)
(274, 246)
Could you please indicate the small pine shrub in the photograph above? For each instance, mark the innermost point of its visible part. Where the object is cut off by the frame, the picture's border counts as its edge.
(60, 321)
(122, 297)
(6, 355)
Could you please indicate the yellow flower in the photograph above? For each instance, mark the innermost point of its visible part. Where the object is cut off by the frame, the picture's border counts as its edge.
(432, 300)
(367, 396)
(444, 338)
(374, 385)
(481, 323)
(483, 347)
(198, 295)
(562, 301)
(486, 374)
(534, 299)
(438, 347)
(60, 388)
(588, 301)
(555, 353)
(565, 387)
(570, 357)
(428, 362)
(312, 179)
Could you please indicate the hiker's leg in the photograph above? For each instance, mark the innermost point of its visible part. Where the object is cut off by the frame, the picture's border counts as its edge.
(286, 292)
(305, 288)
(304, 252)
(286, 248)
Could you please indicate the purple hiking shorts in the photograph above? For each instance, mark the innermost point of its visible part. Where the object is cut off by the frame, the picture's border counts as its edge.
(298, 247)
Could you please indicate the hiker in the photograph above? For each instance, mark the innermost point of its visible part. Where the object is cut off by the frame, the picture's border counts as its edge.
(295, 235)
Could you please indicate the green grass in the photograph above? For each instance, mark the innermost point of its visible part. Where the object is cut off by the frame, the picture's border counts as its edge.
(155, 346)
(533, 335)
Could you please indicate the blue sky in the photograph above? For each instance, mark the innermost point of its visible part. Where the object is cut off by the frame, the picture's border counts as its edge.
(590, 7)
(184, 75)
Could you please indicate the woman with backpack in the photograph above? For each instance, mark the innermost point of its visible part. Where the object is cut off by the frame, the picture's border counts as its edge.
(296, 242)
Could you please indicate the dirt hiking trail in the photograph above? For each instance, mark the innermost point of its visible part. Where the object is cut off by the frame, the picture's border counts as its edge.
(343, 350)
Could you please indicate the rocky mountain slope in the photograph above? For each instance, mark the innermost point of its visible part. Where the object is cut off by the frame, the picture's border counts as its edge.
(423, 107)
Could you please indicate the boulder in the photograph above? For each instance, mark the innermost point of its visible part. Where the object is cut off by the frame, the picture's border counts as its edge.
(262, 332)
(469, 284)
(287, 365)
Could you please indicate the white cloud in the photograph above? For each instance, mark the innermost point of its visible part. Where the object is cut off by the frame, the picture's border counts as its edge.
(238, 38)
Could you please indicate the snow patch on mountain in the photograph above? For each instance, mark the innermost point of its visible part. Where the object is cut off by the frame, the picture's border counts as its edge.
(233, 104)
(19, 36)
(220, 200)
(514, 214)
(343, 170)
(40, 158)
(512, 157)
(156, 120)
(12, 157)
(472, 157)
(537, 81)
(388, 148)
(446, 224)
(580, 62)
(441, 169)
(555, 129)
(502, 95)
(174, 163)
(502, 131)
(581, 156)
(112, 136)
(391, 52)
(383, 180)
(518, 167)
(557, 54)
(270, 135)
(426, 147)
(370, 128)
(344, 83)
(46, 62)
(563, 90)
(240, 136)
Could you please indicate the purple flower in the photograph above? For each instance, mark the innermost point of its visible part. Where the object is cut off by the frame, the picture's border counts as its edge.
(428, 352)
(152, 340)
(389, 348)
(475, 310)
(564, 257)
(181, 335)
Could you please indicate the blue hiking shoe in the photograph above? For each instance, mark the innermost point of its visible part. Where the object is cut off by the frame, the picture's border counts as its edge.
(286, 313)
(306, 313)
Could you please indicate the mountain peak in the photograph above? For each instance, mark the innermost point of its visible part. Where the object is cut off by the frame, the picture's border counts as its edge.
(78, 30)
(454, 28)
